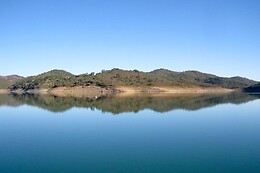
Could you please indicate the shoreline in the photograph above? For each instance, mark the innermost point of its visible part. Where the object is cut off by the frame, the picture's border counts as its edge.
(95, 91)
(77, 91)
(172, 90)
(4, 91)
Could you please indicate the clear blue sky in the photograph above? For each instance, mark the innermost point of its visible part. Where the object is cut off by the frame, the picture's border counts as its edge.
(214, 36)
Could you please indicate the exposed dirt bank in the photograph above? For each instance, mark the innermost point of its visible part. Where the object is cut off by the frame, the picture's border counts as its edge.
(81, 92)
(78, 91)
(95, 91)
(172, 90)
(4, 91)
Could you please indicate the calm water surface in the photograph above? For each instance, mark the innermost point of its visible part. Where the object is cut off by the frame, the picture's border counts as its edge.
(181, 134)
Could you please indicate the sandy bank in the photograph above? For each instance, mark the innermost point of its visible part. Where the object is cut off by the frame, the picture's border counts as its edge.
(4, 91)
(172, 90)
(81, 92)
(78, 91)
(95, 91)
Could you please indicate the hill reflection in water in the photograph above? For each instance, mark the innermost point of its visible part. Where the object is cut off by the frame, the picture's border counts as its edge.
(117, 104)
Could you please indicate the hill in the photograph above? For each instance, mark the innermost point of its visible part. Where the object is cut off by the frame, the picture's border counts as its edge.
(204, 79)
(6, 81)
(51, 79)
(132, 78)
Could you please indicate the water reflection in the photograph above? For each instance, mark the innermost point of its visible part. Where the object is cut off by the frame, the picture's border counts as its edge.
(117, 104)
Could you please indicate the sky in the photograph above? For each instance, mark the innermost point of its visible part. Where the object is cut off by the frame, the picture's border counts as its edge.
(82, 36)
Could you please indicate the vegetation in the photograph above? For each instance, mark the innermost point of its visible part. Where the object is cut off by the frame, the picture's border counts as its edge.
(51, 79)
(3, 85)
(118, 77)
(204, 79)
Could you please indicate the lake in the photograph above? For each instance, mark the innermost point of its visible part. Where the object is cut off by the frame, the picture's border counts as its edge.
(141, 133)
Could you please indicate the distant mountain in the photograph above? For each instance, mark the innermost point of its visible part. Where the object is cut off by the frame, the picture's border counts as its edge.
(119, 77)
(6, 81)
(204, 79)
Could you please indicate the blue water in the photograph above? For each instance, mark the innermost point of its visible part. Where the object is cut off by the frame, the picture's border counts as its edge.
(216, 139)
